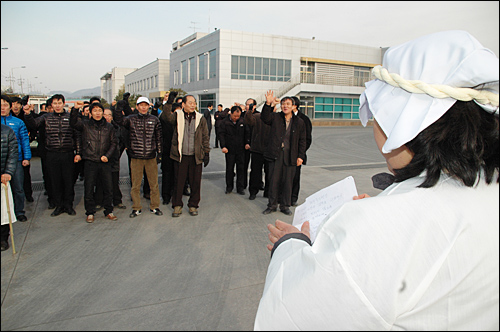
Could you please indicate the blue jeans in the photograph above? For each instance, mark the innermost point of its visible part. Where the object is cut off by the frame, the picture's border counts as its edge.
(17, 184)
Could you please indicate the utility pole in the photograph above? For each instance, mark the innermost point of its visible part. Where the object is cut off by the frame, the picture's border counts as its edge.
(21, 81)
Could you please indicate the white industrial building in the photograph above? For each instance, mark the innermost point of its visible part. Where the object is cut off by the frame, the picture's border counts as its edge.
(151, 80)
(227, 66)
(112, 81)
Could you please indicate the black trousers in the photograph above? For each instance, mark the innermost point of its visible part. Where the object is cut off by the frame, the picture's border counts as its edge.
(46, 179)
(187, 169)
(61, 167)
(258, 163)
(167, 177)
(232, 160)
(296, 185)
(115, 184)
(281, 177)
(94, 170)
(5, 231)
(247, 162)
(217, 137)
(28, 190)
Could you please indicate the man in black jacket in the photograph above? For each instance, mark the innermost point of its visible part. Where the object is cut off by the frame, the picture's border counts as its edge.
(218, 116)
(145, 150)
(61, 142)
(99, 144)
(208, 117)
(286, 150)
(257, 145)
(308, 124)
(232, 140)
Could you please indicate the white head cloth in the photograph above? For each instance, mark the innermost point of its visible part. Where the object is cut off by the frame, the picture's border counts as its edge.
(453, 59)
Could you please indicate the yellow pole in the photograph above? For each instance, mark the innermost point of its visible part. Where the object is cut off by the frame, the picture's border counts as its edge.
(10, 219)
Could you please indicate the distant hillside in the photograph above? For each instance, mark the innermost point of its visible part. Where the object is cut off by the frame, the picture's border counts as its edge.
(80, 93)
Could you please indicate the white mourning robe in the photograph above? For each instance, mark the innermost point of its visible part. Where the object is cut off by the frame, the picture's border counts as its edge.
(408, 259)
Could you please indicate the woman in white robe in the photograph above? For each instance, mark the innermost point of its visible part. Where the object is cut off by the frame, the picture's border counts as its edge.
(423, 254)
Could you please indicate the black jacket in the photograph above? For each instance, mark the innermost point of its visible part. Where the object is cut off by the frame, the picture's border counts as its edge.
(59, 135)
(145, 134)
(308, 125)
(259, 134)
(9, 150)
(98, 137)
(232, 135)
(278, 130)
(208, 117)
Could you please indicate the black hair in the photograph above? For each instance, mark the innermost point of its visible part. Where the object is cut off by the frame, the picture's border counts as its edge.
(86, 102)
(57, 96)
(296, 101)
(235, 108)
(254, 102)
(176, 106)
(220, 105)
(7, 99)
(462, 143)
(94, 105)
(184, 99)
(210, 105)
(49, 102)
(15, 99)
(287, 98)
(94, 99)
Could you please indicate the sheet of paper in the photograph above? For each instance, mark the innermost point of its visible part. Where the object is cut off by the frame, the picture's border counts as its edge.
(320, 204)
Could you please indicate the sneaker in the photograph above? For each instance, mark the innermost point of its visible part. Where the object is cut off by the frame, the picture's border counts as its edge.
(193, 211)
(21, 218)
(90, 218)
(120, 206)
(286, 211)
(156, 211)
(268, 210)
(135, 213)
(177, 211)
(111, 216)
(4, 245)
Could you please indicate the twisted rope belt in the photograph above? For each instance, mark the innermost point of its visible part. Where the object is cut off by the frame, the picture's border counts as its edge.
(436, 90)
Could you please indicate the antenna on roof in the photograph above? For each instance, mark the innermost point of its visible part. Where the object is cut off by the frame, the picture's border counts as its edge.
(194, 26)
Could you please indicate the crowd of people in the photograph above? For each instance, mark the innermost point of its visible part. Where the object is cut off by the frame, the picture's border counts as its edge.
(87, 141)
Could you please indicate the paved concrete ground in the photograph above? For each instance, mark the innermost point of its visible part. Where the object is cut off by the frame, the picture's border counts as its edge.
(162, 273)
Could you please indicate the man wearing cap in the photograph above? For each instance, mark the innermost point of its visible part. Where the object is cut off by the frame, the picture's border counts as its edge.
(145, 150)
(424, 253)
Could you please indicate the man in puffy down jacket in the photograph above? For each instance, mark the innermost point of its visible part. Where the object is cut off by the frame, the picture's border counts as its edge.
(24, 158)
(63, 150)
(145, 151)
(98, 146)
(8, 168)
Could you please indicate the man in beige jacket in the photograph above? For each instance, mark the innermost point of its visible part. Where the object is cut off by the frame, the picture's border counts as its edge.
(190, 149)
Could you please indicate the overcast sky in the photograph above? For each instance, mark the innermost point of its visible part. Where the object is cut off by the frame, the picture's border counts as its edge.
(69, 45)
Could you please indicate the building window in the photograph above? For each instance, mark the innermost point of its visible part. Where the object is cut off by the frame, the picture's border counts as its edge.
(212, 64)
(184, 72)
(205, 99)
(260, 69)
(201, 66)
(156, 81)
(192, 69)
(336, 108)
